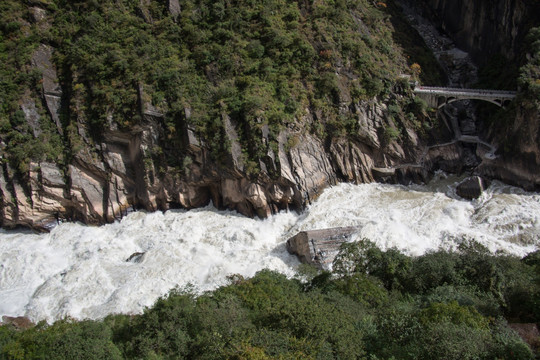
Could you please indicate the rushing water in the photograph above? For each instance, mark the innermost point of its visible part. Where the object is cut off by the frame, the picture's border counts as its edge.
(82, 272)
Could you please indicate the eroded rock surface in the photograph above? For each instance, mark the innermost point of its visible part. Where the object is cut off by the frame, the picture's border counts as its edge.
(101, 178)
(319, 247)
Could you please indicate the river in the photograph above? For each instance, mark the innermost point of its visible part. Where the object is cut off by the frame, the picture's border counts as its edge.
(81, 271)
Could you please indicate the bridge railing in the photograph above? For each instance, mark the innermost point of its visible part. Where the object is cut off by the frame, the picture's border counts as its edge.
(451, 91)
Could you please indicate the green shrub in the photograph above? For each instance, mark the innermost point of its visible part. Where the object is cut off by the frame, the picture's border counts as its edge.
(529, 78)
(434, 269)
(364, 257)
(63, 340)
(162, 330)
(464, 295)
(368, 291)
(391, 133)
(450, 341)
(453, 313)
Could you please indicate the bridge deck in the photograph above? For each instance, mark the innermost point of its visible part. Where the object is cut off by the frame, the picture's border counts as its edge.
(465, 92)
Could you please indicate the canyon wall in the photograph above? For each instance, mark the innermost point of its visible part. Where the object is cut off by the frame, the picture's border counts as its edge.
(518, 139)
(105, 180)
(485, 28)
(100, 179)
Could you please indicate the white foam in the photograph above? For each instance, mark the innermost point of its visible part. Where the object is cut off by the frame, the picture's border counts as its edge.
(82, 272)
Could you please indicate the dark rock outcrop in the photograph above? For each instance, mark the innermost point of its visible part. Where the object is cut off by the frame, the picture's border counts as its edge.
(518, 160)
(51, 90)
(485, 28)
(471, 188)
(136, 257)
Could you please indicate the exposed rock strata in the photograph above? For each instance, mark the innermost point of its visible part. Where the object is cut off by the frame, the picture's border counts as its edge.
(102, 181)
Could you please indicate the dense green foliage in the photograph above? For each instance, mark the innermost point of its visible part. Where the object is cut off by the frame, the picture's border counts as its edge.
(18, 40)
(253, 60)
(376, 305)
(261, 63)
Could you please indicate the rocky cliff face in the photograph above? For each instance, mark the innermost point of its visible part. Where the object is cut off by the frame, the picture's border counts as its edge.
(102, 178)
(103, 181)
(519, 156)
(485, 28)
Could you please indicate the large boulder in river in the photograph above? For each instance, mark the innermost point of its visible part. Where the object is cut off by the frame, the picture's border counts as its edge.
(471, 188)
(319, 247)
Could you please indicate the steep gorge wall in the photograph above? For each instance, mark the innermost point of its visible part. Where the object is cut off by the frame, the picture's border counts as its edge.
(118, 147)
(103, 178)
(518, 140)
(485, 28)
(103, 181)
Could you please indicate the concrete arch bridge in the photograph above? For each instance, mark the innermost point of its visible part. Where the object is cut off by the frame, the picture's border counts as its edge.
(437, 97)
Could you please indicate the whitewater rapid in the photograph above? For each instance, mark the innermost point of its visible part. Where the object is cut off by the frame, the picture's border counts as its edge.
(82, 272)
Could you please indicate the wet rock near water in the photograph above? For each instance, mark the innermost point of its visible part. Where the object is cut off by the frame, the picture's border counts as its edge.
(319, 247)
(471, 188)
(383, 172)
(136, 257)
